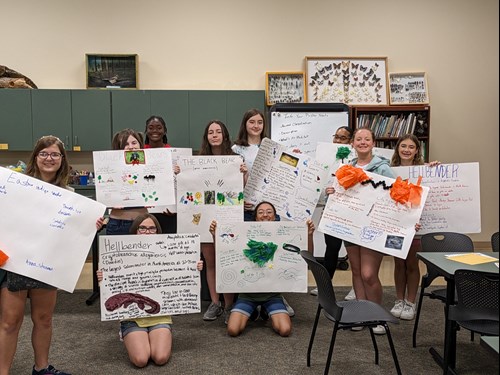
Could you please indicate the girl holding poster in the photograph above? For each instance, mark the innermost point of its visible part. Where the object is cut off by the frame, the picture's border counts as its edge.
(48, 162)
(216, 141)
(148, 338)
(120, 219)
(407, 152)
(365, 263)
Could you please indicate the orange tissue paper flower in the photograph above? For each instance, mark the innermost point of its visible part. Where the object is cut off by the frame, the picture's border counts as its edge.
(404, 192)
(348, 176)
(3, 258)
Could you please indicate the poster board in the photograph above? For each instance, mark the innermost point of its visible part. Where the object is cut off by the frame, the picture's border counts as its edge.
(280, 268)
(134, 178)
(301, 126)
(292, 182)
(47, 231)
(369, 217)
(149, 275)
(454, 203)
(209, 188)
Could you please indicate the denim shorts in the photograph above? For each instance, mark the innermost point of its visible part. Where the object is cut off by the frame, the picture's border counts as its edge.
(272, 306)
(128, 326)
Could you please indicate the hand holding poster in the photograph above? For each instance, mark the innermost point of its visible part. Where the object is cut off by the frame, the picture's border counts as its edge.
(260, 257)
(369, 217)
(131, 178)
(48, 230)
(454, 203)
(291, 182)
(149, 275)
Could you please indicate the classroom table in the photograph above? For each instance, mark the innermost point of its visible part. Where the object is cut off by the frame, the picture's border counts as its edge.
(447, 268)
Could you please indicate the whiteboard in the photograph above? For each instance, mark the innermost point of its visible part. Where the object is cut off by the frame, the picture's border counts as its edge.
(303, 130)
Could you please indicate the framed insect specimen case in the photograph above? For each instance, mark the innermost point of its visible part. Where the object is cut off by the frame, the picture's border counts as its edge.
(408, 88)
(348, 80)
(285, 87)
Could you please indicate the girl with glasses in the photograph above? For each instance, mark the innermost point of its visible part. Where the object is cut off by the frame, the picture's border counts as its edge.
(148, 338)
(48, 162)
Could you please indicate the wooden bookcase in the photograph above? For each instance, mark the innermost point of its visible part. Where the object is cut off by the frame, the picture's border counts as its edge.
(390, 122)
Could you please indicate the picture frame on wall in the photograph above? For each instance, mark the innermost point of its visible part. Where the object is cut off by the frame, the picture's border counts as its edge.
(113, 71)
(285, 87)
(408, 88)
(348, 80)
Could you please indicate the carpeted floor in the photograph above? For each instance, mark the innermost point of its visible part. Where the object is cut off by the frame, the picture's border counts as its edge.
(82, 344)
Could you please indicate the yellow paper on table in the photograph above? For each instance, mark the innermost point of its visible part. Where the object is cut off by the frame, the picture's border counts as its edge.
(471, 258)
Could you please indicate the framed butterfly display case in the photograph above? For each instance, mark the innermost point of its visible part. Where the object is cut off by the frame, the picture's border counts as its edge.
(348, 80)
(285, 87)
(408, 88)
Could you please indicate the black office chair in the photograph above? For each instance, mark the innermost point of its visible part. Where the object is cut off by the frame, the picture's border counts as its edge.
(477, 306)
(346, 314)
(494, 242)
(447, 242)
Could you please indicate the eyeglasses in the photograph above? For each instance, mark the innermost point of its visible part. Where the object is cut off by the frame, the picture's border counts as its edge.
(53, 155)
(143, 229)
(341, 137)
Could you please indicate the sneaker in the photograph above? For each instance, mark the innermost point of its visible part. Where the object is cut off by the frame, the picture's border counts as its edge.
(48, 371)
(398, 308)
(226, 313)
(358, 328)
(351, 295)
(213, 311)
(408, 312)
(314, 292)
(379, 330)
(289, 309)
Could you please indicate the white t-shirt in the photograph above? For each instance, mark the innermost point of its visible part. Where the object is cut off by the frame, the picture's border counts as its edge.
(248, 153)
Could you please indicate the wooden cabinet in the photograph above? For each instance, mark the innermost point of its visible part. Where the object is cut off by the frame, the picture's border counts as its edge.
(91, 120)
(390, 122)
(15, 120)
(51, 111)
(85, 120)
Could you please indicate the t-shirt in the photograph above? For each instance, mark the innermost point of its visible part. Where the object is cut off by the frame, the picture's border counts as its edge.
(248, 153)
(152, 321)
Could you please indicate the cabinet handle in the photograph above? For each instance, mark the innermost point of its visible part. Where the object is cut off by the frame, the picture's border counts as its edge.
(66, 141)
(75, 143)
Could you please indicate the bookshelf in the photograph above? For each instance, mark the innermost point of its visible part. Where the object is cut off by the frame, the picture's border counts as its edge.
(390, 122)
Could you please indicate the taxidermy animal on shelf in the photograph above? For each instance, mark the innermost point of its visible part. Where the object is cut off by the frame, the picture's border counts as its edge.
(112, 80)
(11, 79)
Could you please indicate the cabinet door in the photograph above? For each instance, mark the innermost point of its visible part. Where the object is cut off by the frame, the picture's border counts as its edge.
(130, 109)
(173, 107)
(51, 111)
(238, 102)
(203, 107)
(91, 111)
(15, 119)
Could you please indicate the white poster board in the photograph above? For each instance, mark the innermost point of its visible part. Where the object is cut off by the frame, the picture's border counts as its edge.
(176, 152)
(303, 130)
(334, 155)
(454, 203)
(209, 187)
(149, 275)
(369, 217)
(46, 231)
(135, 178)
(291, 182)
(260, 257)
